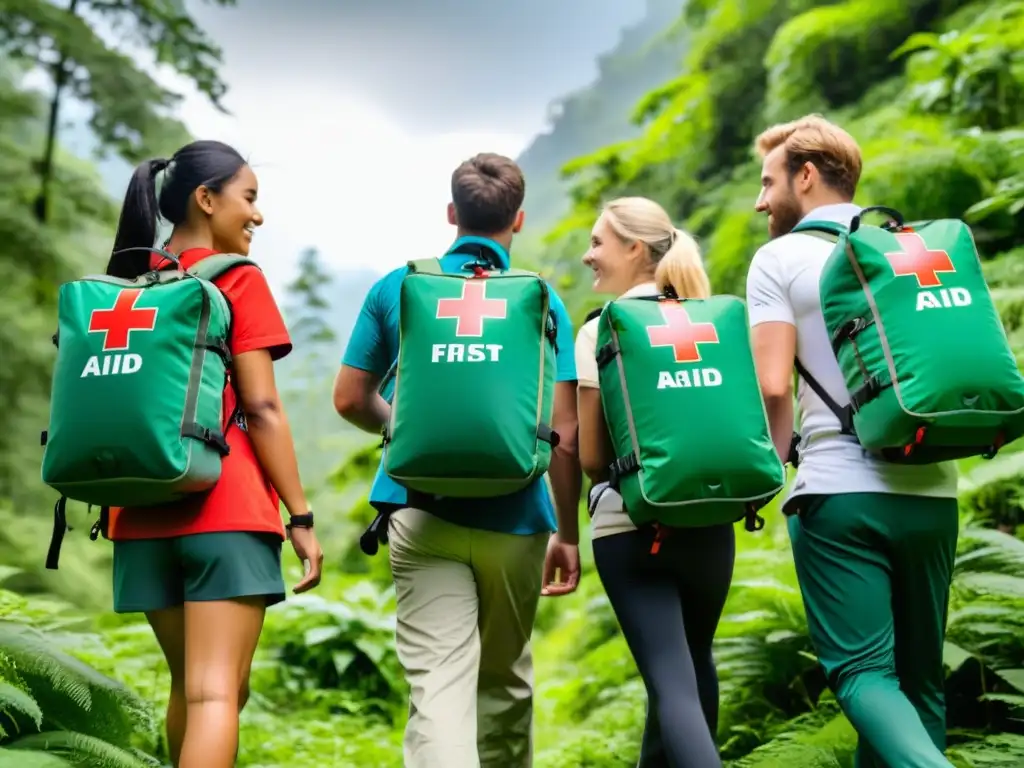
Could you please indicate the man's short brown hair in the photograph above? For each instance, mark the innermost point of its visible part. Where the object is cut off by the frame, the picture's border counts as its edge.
(487, 191)
(813, 139)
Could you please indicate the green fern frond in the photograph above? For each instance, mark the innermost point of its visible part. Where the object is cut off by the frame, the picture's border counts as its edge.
(990, 550)
(1001, 584)
(17, 758)
(1014, 677)
(1004, 750)
(1004, 466)
(80, 750)
(784, 753)
(14, 701)
(71, 694)
(31, 654)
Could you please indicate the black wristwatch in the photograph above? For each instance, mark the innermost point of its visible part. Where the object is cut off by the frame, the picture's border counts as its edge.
(300, 521)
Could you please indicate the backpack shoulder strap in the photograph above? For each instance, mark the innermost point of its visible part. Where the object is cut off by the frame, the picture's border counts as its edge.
(829, 231)
(513, 272)
(845, 415)
(213, 267)
(828, 237)
(210, 269)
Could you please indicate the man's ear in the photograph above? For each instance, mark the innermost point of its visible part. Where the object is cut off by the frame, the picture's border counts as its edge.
(453, 217)
(807, 176)
(517, 225)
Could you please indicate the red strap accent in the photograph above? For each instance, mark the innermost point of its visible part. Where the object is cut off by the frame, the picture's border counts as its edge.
(659, 534)
(918, 439)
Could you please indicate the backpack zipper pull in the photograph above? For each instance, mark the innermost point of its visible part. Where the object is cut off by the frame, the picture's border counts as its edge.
(659, 534)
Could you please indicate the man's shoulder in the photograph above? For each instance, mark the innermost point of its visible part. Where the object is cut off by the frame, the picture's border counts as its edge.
(767, 258)
(554, 299)
(786, 253)
(388, 285)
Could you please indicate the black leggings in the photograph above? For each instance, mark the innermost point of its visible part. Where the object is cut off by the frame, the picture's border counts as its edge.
(668, 606)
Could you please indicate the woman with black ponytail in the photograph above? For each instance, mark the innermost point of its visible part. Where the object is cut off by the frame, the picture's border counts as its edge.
(205, 573)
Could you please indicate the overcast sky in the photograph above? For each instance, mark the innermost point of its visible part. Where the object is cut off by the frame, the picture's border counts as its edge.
(355, 112)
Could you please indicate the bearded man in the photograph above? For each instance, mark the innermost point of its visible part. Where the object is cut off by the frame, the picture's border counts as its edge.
(873, 542)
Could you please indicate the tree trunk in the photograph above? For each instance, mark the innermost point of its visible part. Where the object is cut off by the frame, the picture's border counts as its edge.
(60, 76)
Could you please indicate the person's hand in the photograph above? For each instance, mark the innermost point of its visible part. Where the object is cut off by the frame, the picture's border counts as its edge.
(307, 548)
(563, 560)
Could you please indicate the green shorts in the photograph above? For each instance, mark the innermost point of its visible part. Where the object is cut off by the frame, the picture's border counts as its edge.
(153, 574)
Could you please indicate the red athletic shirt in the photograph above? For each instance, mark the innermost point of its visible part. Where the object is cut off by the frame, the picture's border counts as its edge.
(243, 499)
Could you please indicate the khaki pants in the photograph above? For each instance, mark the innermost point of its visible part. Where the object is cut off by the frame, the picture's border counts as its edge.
(466, 604)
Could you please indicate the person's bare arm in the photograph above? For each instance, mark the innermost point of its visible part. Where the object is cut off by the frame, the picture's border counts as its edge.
(357, 401)
(566, 479)
(268, 427)
(271, 438)
(596, 451)
(775, 356)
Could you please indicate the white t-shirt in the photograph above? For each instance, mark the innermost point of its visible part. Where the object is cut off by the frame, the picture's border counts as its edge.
(782, 286)
(609, 516)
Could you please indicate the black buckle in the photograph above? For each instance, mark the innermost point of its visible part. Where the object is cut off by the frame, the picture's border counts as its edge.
(375, 534)
(871, 389)
(548, 435)
(793, 456)
(606, 354)
(623, 465)
(216, 439)
(848, 330)
(551, 330)
(753, 522)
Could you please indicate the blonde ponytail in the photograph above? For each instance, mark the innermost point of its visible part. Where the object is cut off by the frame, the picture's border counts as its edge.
(681, 270)
(675, 254)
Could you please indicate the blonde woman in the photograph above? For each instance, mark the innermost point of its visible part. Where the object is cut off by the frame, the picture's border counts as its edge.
(668, 604)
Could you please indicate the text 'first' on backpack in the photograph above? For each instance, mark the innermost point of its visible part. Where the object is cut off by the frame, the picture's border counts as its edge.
(928, 368)
(473, 383)
(136, 406)
(685, 413)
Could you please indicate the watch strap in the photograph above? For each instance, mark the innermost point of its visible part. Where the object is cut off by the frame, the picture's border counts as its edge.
(300, 521)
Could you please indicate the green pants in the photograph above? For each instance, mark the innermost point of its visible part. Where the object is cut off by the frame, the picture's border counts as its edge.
(153, 574)
(875, 571)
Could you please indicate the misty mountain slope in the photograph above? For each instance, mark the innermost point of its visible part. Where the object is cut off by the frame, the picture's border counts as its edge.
(599, 114)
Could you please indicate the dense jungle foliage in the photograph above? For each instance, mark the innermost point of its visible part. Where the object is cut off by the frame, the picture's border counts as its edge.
(931, 89)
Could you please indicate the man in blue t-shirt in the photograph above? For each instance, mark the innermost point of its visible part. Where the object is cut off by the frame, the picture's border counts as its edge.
(469, 572)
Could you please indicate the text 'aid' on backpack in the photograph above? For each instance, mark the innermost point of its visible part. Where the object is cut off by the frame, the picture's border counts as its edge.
(136, 406)
(474, 382)
(928, 367)
(685, 413)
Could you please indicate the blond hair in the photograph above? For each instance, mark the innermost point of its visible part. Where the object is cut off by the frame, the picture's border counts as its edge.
(813, 139)
(679, 268)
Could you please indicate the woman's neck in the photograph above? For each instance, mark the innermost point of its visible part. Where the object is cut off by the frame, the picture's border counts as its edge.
(181, 241)
(638, 281)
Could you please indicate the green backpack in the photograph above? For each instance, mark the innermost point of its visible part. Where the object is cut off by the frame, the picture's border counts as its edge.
(927, 364)
(474, 381)
(136, 406)
(685, 413)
